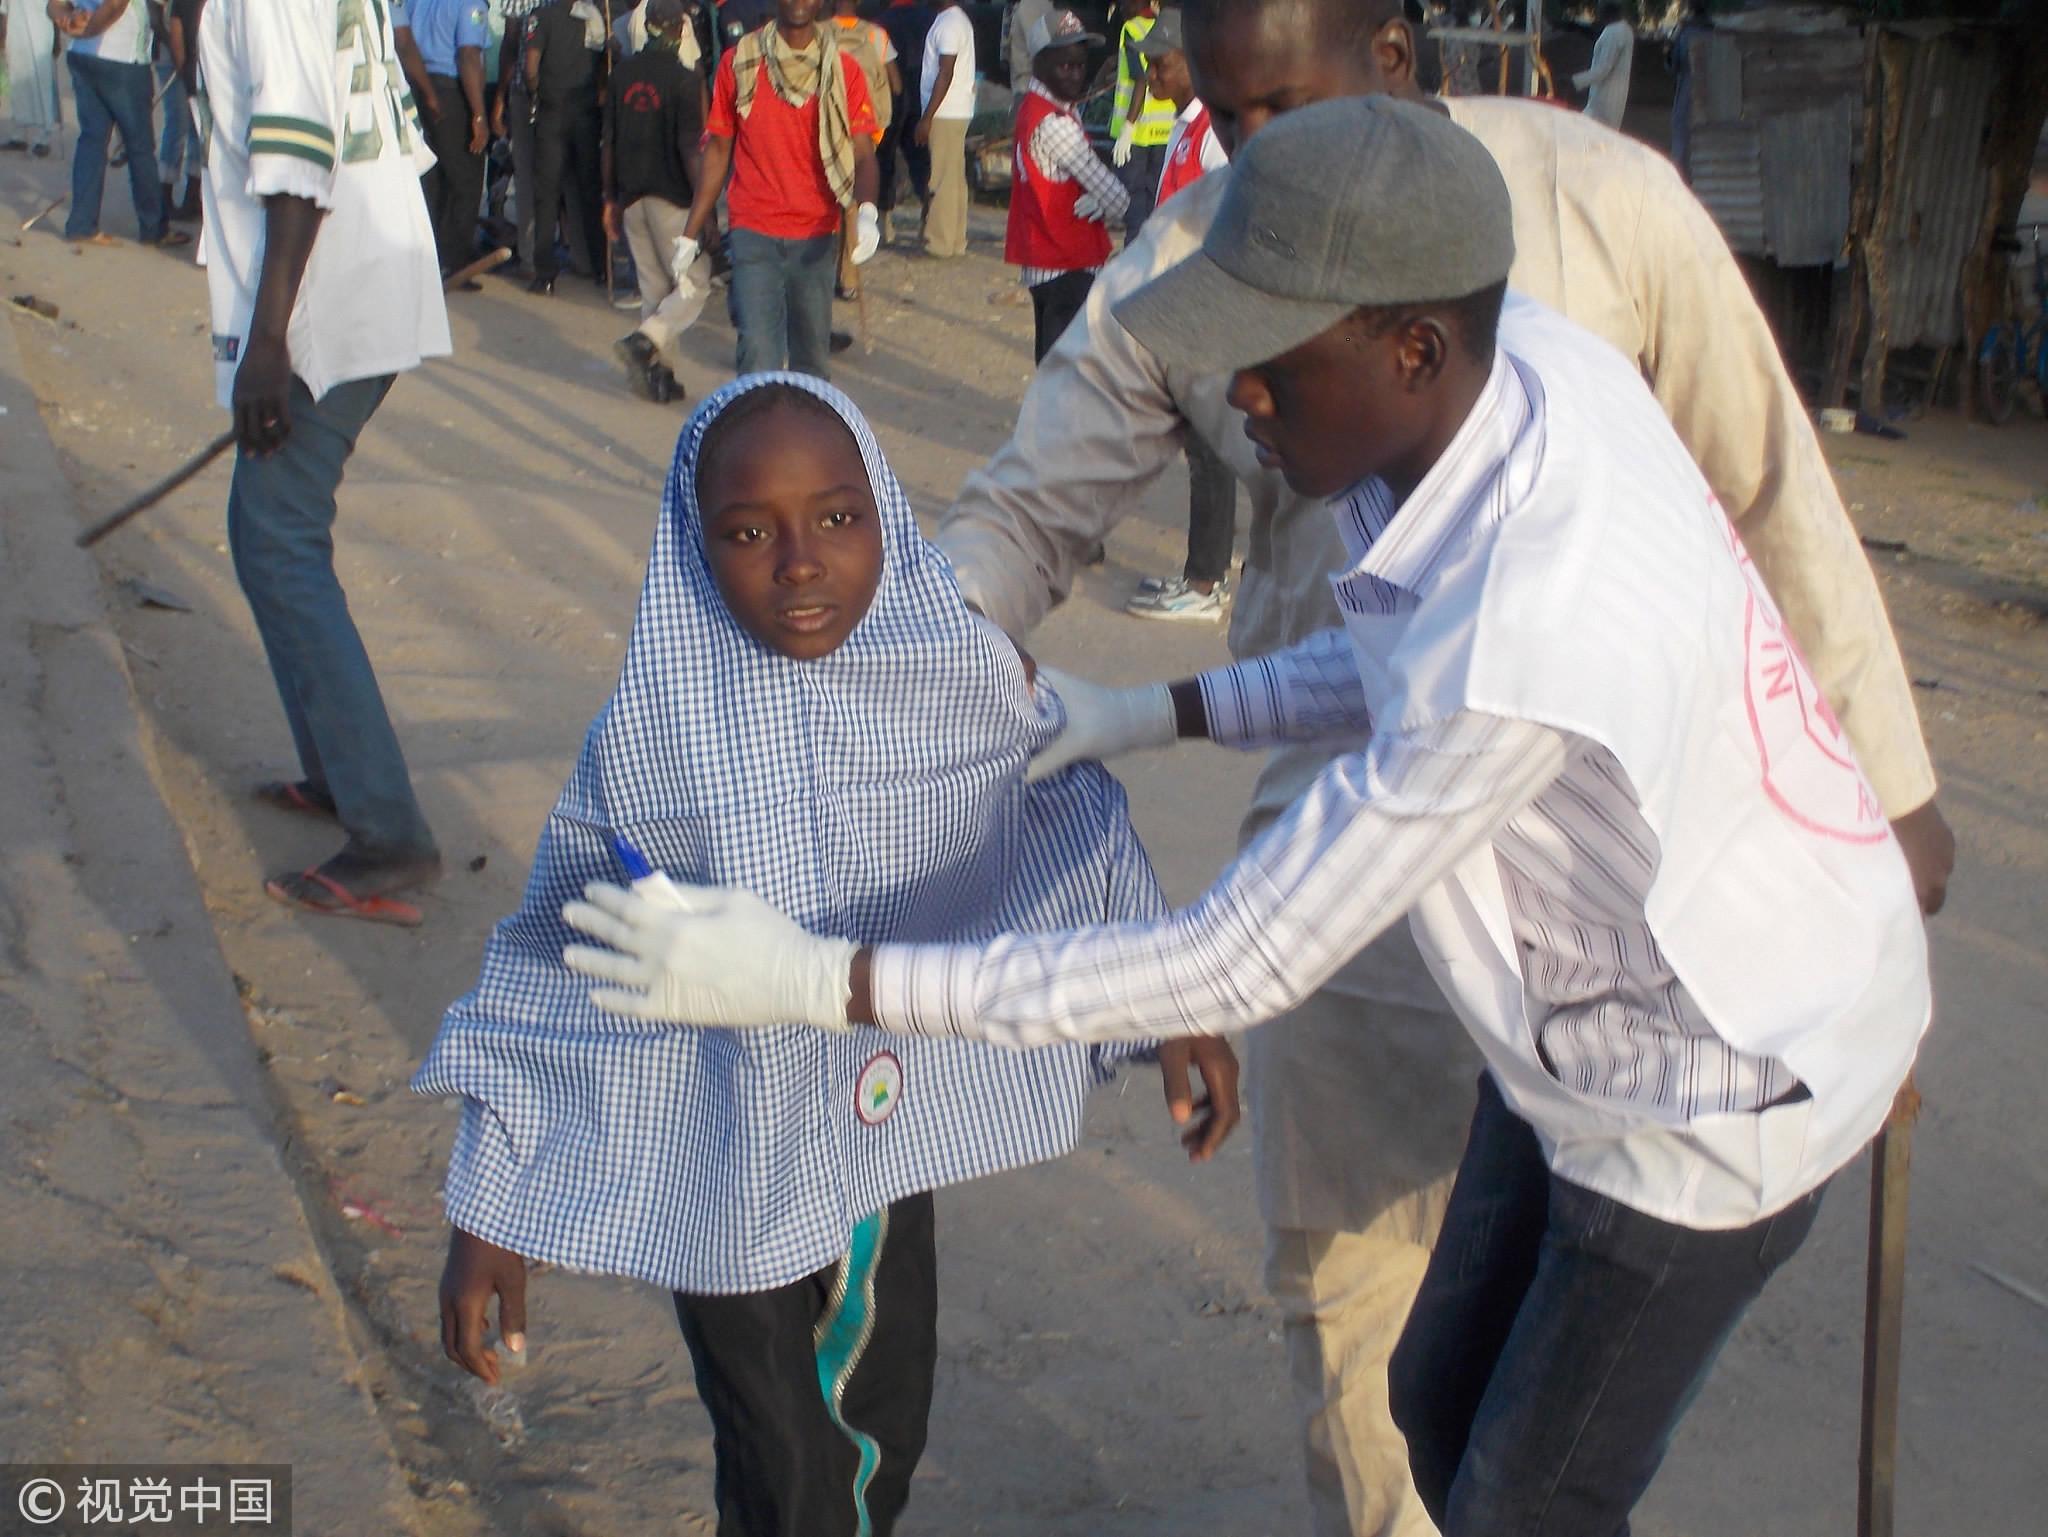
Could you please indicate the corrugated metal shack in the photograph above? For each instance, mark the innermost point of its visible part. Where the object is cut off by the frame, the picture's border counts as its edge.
(1818, 142)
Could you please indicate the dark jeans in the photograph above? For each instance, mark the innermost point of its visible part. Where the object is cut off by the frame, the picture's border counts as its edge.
(782, 300)
(1212, 513)
(455, 187)
(112, 94)
(1053, 307)
(567, 143)
(893, 139)
(1558, 1339)
(1141, 180)
(819, 1391)
(281, 531)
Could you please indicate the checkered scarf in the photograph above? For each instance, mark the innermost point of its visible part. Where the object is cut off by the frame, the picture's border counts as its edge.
(875, 793)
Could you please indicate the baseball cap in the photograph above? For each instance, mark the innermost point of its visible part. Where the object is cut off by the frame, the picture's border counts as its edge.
(1059, 29)
(1357, 202)
(1165, 36)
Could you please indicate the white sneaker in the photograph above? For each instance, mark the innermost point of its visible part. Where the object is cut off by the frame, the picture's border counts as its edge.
(1178, 601)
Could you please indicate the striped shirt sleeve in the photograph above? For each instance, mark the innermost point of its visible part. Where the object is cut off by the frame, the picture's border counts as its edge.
(295, 105)
(1060, 146)
(1307, 693)
(1375, 831)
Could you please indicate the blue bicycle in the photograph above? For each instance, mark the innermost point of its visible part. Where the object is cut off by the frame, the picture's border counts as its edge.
(2012, 351)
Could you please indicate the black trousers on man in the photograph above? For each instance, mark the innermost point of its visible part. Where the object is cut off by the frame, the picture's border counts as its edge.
(819, 1391)
(1054, 305)
(455, 187)
(568, 142)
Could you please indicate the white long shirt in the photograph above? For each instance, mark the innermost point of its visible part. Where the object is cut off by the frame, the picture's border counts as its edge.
(1641, 1082)
(1613, 56)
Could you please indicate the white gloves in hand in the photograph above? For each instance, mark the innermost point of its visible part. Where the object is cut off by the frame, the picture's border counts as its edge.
(867, 233)
(1126, 140)
(1089, 206)
(706, 955)
(682, 257)
(1104, 722)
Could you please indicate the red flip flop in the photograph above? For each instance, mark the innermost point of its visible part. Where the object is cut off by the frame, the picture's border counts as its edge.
(286, 795)
(303, 891)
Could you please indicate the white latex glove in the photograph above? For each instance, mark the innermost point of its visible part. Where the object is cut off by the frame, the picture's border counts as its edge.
(867, 233)
(1126, 140)
(706, 955)
(681, 258)
(1089, 206)
(1103, 722)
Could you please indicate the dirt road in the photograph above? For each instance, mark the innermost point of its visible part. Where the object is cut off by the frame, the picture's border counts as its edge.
(1109, 1361)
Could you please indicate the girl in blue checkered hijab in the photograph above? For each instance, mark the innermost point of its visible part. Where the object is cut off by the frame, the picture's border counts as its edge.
(807, 709)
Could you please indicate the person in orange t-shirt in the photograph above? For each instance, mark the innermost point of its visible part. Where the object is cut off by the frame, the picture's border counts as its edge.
(791, 141)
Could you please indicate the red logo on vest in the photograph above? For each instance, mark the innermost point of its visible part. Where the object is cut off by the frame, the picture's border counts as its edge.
(1809, 769)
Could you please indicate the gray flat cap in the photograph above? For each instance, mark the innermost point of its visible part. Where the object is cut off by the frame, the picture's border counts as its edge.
(1345, 204)
(1165, 36)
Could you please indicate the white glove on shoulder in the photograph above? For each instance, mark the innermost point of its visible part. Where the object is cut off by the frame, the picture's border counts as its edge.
(1126, 140)
(867, 233)
(1103, 722)
(706, 955)
(1089, 206)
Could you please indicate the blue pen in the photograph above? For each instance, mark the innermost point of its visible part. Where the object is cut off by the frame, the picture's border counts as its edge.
(635, 862)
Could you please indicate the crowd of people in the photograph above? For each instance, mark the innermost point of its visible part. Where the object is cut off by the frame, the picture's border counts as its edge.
(1554, 627)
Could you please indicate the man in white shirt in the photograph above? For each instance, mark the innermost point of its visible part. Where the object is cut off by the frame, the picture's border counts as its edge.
(946, 86)
(109, 61)
(1356, 1131)
(1605, 81)
(321, 269)
(1634, 843)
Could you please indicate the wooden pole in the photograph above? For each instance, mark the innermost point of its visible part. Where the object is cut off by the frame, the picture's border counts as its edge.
(1884, 1317)
(157, 492)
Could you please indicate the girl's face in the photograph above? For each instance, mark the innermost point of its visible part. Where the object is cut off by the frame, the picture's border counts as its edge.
(790, 529)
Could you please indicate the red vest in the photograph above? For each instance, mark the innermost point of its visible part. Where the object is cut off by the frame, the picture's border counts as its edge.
(1044, 230)
(1184, 161)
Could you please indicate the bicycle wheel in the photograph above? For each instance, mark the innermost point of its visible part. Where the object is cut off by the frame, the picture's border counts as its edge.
(1998, 376)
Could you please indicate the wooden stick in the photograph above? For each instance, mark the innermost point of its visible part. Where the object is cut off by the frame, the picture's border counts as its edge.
(157, 492)
(1884, 1316)
(477, 268)
(49, 208)
(860, 299)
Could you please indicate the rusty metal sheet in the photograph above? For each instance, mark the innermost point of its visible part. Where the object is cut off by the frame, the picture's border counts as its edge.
(1727, 176)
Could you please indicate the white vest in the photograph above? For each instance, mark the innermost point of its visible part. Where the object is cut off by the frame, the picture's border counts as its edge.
(1614, 601)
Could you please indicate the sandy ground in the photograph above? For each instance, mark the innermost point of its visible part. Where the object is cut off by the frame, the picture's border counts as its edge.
(1109, 1360)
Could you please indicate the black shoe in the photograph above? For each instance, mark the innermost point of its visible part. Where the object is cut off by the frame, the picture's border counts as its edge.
(842, 341)
(1097, 554)
(663, 385)
(636, 351)
(541, 285)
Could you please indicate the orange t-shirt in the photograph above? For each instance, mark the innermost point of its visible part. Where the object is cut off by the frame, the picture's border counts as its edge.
(778, 184)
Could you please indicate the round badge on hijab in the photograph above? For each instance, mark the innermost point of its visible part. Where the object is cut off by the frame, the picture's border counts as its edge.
(880, 1087)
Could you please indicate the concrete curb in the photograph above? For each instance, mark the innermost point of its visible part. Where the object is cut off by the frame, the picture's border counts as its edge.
(160, 1288)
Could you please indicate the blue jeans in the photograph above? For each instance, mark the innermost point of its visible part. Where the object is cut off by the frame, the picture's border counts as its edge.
(1558, 1339)
(178, 149)
(782, 300)
(110, 94)
(281, 531)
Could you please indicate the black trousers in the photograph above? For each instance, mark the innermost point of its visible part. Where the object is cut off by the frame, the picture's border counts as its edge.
(1053, 307)
(455, 187)
(885, 154)
(819, 1391)
(1212, 513)
(568, 139)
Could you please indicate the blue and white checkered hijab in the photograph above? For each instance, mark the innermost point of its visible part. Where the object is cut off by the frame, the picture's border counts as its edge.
(875, 793)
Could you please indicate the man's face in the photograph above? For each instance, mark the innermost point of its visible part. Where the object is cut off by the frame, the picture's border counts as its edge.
(1250, 63)
(795, 15)
(1166, 78)
(1339, 408)
(1062, 71)
(791, 532)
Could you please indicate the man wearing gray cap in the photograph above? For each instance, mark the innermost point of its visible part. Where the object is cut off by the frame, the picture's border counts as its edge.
(1355, 1131)
(1596, 776)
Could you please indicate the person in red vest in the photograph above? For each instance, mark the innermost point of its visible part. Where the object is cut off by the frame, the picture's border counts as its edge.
(1202, 591)
(1062, 196)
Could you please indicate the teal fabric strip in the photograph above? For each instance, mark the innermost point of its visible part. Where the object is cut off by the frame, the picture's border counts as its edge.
(842, 1339)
